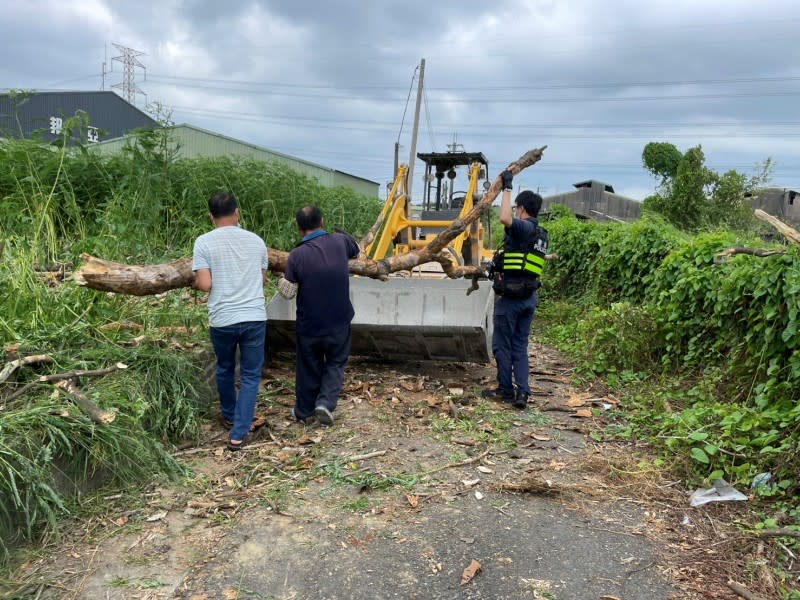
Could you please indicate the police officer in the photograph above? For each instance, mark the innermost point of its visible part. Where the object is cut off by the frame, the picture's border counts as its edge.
(516, 272)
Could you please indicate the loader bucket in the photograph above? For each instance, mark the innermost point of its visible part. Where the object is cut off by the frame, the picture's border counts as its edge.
(405, 318)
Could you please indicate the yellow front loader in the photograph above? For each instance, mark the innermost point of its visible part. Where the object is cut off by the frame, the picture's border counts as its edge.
(405, 228)
(420, 314)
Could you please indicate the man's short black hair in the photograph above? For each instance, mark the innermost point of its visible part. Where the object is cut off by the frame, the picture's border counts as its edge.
(309, 218)
(222, 204)
(530, 201)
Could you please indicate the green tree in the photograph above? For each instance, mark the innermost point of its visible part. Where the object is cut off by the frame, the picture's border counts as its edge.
(662, 160)
(693, 197)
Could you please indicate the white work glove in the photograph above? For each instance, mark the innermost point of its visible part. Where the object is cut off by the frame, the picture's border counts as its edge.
(287, 289)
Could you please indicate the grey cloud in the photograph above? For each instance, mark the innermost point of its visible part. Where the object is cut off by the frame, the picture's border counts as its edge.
(359, 57)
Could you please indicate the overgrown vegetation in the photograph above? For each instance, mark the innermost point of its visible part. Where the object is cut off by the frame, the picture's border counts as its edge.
(142, 205)
(704, 352)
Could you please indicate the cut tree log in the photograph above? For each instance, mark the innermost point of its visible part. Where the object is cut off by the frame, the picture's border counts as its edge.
(788, 232)
(742, 591)
(143, 280)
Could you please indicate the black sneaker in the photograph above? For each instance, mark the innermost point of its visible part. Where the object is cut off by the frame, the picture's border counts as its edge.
(498, 394)
(520, 400)
(294, 417)
(323, 415)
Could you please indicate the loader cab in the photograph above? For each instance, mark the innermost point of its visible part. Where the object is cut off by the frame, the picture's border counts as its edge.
(451, 191)
(446, 189)
(451, 182)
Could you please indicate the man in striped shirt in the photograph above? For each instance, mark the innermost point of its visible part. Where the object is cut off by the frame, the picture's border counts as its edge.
(231, 264)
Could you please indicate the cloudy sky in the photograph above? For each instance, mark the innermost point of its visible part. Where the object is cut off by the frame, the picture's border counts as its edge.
(335, 81)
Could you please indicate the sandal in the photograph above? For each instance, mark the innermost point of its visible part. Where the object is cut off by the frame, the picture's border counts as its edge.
(235, 446)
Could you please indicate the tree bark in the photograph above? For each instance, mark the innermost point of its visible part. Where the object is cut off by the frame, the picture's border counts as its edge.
(144, 280)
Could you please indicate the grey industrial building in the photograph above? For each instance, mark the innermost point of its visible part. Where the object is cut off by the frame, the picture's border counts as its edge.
(597, 201)
(110, 119)
(190, 141)
(778, 202)
(25, 114)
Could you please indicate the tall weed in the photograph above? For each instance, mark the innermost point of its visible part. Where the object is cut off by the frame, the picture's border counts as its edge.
(142, 205)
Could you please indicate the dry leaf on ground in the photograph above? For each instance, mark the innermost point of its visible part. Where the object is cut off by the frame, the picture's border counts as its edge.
(470, 571)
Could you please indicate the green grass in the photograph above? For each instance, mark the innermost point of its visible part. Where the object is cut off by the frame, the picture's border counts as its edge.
(361, 505)
(138, 207)
(336, 473)
(484, 422)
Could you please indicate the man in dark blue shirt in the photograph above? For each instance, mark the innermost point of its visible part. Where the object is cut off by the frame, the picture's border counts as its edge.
(318, 267)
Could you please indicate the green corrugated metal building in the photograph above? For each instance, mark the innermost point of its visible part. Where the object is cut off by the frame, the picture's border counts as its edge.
(191, 141)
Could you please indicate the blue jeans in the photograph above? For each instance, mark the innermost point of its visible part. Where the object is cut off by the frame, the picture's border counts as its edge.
(249, 338)
(512, 325)
(319, 371)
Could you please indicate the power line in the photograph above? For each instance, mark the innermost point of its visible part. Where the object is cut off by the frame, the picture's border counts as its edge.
(492, 88)
(408, 99)
(519, 100)
(428, 119)
(622, 131)
(493, 126)
(541, 167)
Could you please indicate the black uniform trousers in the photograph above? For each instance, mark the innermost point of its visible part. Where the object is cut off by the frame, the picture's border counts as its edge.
(319, 371)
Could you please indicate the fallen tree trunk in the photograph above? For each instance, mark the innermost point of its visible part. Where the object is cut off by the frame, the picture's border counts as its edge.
(792, 235)
(143, 280)
(788, 232)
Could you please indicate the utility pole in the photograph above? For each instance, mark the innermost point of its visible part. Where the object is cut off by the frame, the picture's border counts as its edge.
(104, 72)
(412, 158)
(129, 59)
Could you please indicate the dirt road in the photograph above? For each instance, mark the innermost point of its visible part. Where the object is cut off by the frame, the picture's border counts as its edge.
(421, 490)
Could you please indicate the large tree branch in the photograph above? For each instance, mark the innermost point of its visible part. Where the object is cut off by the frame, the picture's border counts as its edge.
(721, 257)
(12, 366)
(96, 414)
(63, 376)
(144, 280)
(788, 232)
